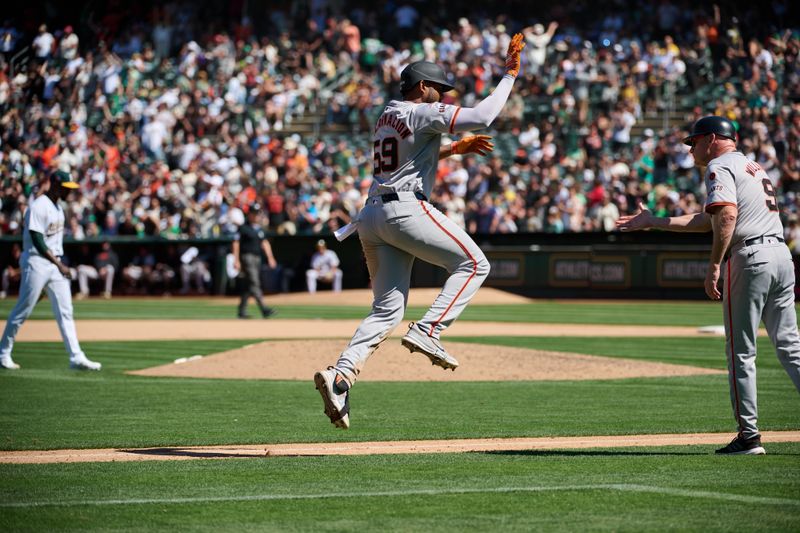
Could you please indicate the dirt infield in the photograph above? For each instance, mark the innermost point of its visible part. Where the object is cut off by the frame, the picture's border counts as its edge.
(165, 329)
(376, 448)
(142, 330)
(312, 344)
(421, 297)
(299, 359)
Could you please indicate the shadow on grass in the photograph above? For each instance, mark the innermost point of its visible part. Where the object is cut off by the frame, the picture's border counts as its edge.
(612, 453)
(196, 454)
(589, 453)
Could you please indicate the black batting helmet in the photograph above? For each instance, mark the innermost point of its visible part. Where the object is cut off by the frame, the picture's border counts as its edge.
(712, 124)
(423, 71)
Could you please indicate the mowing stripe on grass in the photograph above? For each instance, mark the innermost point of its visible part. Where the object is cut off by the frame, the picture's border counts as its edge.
(742, 498)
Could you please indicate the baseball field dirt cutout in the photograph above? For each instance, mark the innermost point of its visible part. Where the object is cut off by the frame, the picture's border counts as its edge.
(316, 449)
(303, 347)
(299, 359)
(298, 348)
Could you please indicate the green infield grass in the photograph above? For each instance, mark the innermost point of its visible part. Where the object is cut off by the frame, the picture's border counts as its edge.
(47, 406)
(699, 313)
(636, 489)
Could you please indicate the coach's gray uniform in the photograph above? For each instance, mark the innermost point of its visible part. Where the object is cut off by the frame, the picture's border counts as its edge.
(398, 224)
(758, 280)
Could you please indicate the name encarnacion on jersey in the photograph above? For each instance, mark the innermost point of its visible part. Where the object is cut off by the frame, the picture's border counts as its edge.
(395, 123)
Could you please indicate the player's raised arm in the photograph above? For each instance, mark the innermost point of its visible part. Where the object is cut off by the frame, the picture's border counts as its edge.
(484, 113)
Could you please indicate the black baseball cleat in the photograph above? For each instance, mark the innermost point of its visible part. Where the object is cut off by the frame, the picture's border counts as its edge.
(267, 312)
(743, 446)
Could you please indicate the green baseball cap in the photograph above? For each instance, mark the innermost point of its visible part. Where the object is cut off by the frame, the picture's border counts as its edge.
(64, 178)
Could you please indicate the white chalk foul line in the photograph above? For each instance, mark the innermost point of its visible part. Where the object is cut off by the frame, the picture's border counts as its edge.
(742, 498)
(705, 494)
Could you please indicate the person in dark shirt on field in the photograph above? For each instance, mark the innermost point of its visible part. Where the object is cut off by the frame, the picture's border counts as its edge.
(248, 245)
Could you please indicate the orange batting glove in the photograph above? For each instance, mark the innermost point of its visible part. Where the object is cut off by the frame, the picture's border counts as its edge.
(472, 144)
(512, 56)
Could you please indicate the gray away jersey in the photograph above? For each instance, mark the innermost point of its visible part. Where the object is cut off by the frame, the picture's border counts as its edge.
(47, 218)
(406, 144)
(732, 179)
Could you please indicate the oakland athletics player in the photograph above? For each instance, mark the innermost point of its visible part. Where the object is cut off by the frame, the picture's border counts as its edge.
(398, 224)
(325, 267)
(749, 253)
(42, 248)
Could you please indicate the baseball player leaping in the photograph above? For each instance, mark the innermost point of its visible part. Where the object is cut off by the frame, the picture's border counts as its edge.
(397, 224)
(749, 254)
(42, 248)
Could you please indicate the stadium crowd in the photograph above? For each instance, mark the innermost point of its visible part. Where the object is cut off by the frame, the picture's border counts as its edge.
(174, 126)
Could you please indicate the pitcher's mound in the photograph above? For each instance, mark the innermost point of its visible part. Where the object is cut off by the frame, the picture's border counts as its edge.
(298, 360)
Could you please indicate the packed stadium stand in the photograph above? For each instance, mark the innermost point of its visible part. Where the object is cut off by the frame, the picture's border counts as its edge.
(176, 117)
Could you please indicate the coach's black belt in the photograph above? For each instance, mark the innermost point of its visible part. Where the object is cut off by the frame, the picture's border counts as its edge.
(760, 239)
(393, 197)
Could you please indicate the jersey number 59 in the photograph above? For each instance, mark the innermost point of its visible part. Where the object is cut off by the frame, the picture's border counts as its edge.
(384, 155)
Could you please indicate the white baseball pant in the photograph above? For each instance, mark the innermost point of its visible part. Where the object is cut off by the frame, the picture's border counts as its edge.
(39, 274)
(334, 277)
(197, 271)
(759, 284)
(392, 235)
(87, 272)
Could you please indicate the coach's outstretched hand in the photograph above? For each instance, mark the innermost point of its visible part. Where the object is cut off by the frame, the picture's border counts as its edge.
(473, 144)
(642, 219)
(513, 55)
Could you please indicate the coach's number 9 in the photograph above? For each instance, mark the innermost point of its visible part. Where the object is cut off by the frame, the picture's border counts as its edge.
(385, 155)
(769, 190)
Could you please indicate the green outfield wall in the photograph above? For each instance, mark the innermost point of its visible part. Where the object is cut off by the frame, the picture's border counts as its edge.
(584, 265)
